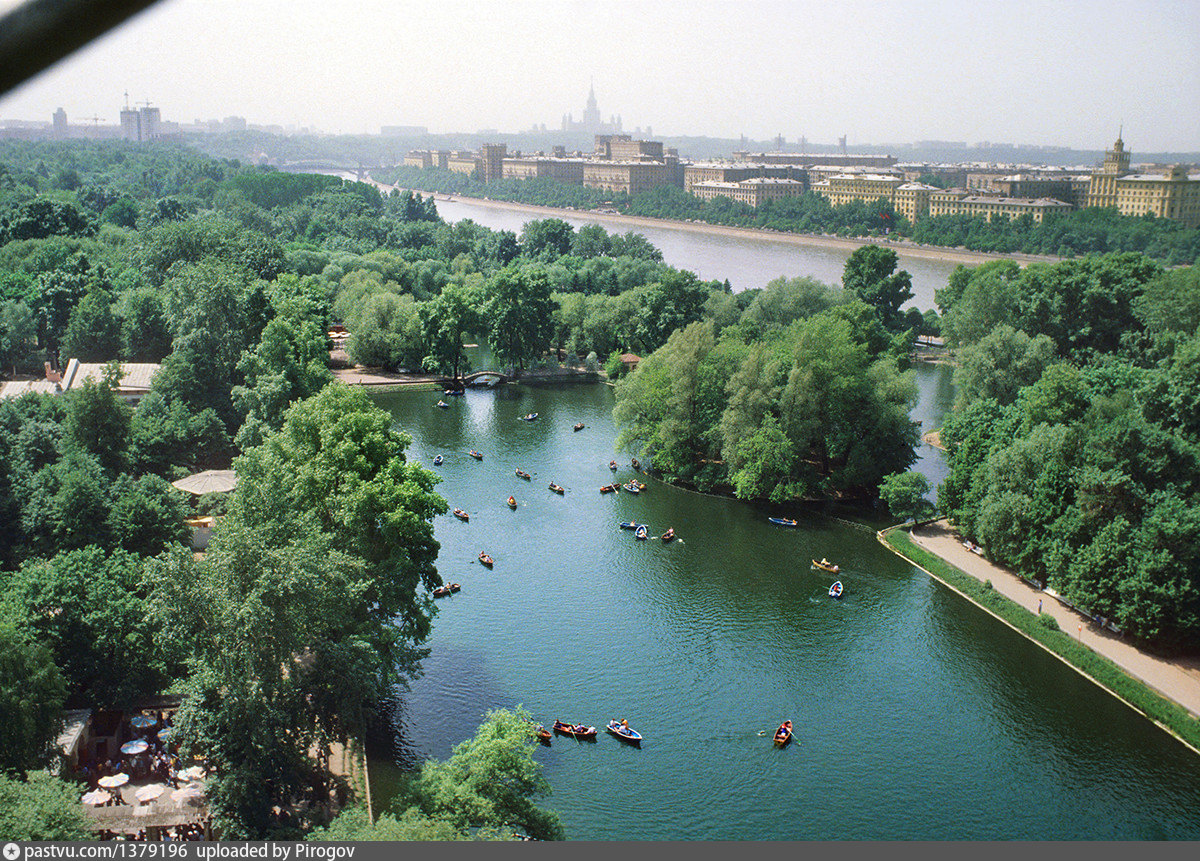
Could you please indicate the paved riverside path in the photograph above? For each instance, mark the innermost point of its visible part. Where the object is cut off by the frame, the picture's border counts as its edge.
(1176, 679)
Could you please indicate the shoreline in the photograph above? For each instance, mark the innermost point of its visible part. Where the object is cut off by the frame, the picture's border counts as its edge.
(902, 247)
(1176, 681)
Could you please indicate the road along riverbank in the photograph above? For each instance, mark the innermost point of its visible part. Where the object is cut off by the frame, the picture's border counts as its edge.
(1165, 690)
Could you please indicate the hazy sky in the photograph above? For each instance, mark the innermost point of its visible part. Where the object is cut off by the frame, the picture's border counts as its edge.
(1047, 72)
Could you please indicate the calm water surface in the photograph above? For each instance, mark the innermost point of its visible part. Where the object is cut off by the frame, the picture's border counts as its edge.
(917, 716)
(746, 262)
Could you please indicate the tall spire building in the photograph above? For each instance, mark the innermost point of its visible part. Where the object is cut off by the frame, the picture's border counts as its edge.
(592, 123)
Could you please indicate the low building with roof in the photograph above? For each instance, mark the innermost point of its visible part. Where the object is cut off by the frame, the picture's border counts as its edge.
(134, 384)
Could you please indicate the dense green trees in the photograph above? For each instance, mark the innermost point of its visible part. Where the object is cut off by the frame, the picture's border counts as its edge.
(1074, 450)
(32, 692)
(810, 412)
(311, 603)
(40, 807)
(485, 791)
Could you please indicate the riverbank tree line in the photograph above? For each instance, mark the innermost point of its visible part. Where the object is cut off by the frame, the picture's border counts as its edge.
(1093, 230)
(1075, 444)
(313, 600)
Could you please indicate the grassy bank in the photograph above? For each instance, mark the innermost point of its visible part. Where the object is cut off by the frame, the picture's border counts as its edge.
(1169, 715)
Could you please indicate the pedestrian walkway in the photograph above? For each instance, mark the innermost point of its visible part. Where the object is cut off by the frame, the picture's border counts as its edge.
(1175, 679)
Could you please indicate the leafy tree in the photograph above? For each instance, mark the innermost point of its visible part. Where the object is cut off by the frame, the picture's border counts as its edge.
(32, 692)
(904, 494)
(337, 459)
(1000, 363)
(520, 312)
(446, 319)
(40, 807)
(18, 336)
(870, 274)
(87, 606)
(144, 331)
(352, 824)
(98, 421)
(147, 515)
(67, 504)
(289, 364)
(490, 781)
(42, 217)
(546, 238)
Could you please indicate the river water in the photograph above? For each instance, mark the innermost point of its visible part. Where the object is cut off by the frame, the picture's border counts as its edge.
(917, 716)
(746, 262)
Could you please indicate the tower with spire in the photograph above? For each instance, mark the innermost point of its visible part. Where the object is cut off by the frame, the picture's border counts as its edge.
(1102, 188)
(592, 123)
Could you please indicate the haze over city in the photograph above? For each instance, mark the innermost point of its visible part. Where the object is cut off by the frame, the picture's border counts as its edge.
(1062, 74)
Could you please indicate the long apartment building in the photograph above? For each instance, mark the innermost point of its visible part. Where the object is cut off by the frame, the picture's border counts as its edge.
(959, 201)
(752, 191)
(714, 171)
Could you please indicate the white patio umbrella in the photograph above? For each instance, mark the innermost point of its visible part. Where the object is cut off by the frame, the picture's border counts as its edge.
(151, 792)
(192, 772)
(96, 797)
(190, 793)
(112, 781)
(209, 481)
(138, 745)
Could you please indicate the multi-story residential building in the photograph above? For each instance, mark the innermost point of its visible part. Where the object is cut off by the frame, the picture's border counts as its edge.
(528, 167)
(752, 191)
(737, 171)
(846, 187)
(492, 158)
(1173, 193)
(1033, 186)
(465, 162)
(959, 201)
(629, 177)
(911, 199)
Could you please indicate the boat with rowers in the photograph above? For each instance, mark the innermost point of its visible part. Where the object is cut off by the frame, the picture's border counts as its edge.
(625, 732)
(784, 734)
(478, 455)
(612, 464)
(782, 521)
(437, 461)
(557, 488)
(578, 730)
(835, 591)
(523, 474)
(641, 532)
(610, 488)
(826, 565)
(669, 535)
(512, 503)
(578, 427)
(529, 417)
(443, 405)
(632, 487)
(443, 591)
(629, 524)
(486, 560)
(461, 515)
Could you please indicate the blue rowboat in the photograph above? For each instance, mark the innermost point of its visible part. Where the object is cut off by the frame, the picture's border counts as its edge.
(782, 521)
(835, 591)
(625, 733)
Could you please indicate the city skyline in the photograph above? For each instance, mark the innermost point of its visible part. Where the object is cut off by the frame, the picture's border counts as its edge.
(1066, 74)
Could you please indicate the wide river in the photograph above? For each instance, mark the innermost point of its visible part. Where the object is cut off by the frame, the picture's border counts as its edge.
(917, 716)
